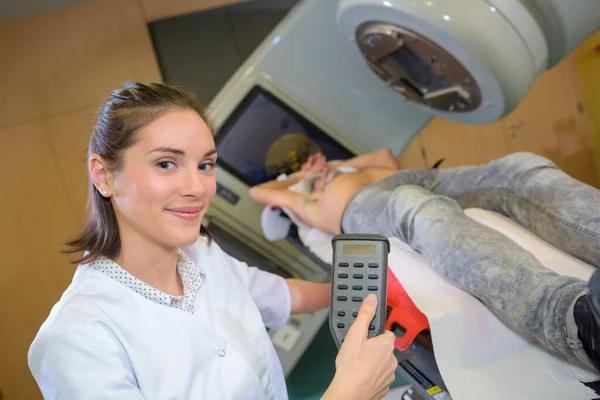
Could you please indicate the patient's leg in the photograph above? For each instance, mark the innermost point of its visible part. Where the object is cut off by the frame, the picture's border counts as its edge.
(534, 192)
(479, 260)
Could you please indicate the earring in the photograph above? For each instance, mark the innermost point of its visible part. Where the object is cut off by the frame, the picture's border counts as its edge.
(105, 194)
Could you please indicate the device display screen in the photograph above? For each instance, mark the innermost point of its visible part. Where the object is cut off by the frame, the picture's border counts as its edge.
(359, 249)
(264, 137)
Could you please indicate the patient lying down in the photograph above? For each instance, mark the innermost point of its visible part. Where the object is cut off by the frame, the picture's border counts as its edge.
(424, 208)
(331, 190)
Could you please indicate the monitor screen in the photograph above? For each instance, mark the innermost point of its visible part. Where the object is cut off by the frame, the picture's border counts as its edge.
(264, 137)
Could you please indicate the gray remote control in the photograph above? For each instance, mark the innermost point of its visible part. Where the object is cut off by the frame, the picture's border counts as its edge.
(359, 268)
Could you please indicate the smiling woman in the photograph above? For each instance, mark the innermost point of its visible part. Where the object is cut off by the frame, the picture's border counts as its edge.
(155, 310)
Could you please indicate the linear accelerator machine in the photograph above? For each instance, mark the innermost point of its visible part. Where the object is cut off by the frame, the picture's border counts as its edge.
(350, 76)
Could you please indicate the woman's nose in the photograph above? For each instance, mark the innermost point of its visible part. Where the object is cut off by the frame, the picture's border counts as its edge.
(193, 184)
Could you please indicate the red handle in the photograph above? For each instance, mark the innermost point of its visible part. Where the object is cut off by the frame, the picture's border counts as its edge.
(404, 313)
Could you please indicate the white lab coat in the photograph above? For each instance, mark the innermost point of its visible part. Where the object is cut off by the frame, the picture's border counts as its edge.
(104, 341)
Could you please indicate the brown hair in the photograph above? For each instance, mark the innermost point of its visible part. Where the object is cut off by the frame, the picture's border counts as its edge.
(119, 118)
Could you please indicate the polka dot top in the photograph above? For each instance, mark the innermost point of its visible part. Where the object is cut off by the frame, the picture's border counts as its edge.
(191, 276)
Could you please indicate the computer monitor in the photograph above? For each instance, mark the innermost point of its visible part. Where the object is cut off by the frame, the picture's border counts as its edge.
(264, 137)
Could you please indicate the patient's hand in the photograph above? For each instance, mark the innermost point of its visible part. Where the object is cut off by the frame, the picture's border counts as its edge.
(315, 164)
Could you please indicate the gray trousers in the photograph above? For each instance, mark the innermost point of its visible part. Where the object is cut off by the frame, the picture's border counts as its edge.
(424, 209)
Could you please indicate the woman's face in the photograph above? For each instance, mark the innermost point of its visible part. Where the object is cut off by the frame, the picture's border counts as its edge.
(167, 180)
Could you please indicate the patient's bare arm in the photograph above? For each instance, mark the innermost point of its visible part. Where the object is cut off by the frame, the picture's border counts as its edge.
(264, 192)
(274, 191)
(308, 208)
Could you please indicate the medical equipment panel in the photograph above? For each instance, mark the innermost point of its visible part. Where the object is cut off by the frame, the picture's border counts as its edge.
(264, 138)
(471, 61)
(238, 250)
(377, 71)
(305, 63)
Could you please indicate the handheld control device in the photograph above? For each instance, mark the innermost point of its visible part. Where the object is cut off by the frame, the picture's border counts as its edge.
(359, 268)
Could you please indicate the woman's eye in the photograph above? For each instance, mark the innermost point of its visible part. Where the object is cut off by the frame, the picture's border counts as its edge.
(166, 164)
(207, 166)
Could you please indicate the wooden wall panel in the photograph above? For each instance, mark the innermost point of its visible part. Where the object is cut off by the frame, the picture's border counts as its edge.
(587, 57)
(68, 136)
(412, 156)
(159, 9)
(72, 58)
(36, 220)
(548, 122)
(462, 144)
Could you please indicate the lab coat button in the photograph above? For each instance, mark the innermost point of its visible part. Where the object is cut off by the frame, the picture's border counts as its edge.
(221, 353)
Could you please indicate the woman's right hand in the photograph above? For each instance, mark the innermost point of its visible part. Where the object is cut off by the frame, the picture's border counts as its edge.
(364, 367)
